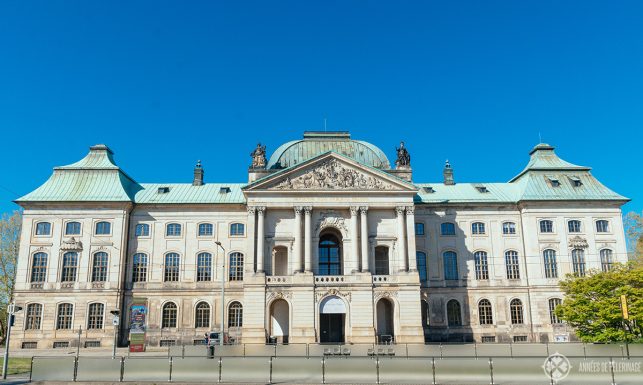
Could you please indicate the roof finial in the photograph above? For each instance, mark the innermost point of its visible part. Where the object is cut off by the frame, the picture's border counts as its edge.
(540, 139)
(198, 174)
(448, 174)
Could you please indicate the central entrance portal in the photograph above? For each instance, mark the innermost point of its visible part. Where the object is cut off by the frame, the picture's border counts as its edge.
(332, 316)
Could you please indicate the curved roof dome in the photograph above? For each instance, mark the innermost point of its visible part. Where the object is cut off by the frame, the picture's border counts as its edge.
(317, 143)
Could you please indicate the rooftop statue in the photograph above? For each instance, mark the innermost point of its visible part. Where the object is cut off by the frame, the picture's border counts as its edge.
(259, 157)
(403, 157)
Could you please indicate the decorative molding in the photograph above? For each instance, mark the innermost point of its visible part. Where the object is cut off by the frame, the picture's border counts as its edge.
(354, 210)
(332, 175)
(331, 219)
(71, 244)
(260, 209)
(410, 210)
(399, 210)
(578, 243)
(275, 295)
(363, 209)
(297, 209)
(334, 292)
(384, 294)
(251, 210)
(308, 210)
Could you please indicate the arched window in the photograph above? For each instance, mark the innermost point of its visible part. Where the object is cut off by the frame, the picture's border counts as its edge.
(450, 265)
(546, 226)
(237, 229)
(573, 226)
(477, 228)
(206, 229)
(139, 267)
(454, 316)
(172, 267)
(552, 310)
(103, 228)
(509, 228)
(169, 316)
(602, 226)
(606, 260)
(420, 258)
(512, 264)
(99, 267)
(485, 312)
(202, 315)
(551, 266)
(482, 268)
(173, 230)
(330, 255)
(43, 228)
(578, 262)
(142, 230)
(65, 315)
(95, 316)
(39, 268)
(72, 228)
(204, 267)
(447, 228)
(381, 260)
(516, 312)
(235, 315)
(236, 267)
(69, 267)
(33, 316)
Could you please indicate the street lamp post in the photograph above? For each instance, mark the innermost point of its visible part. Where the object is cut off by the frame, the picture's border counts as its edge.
(222, 293)
(12, 309)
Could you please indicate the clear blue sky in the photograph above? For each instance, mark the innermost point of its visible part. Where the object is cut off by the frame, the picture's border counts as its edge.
(167, 83)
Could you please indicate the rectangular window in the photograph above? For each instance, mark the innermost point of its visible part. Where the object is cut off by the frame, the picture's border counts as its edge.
(69, 267)
(43, 228)
(61, 344)
(173, 230)
(509, 228)
(172, 262)
(204, 267)
(602, 226)
(419, 228)
(142, 230)
(578, 262)
(546, 226)
(65, 314)
(103, 228)
(447, 228)
(139, 265)
(488, 339)
(95, 316)
(553, 303)
(72, 228)
(99, 267)
(512, 264)
(477, 228)
(520, 338)
(33, 317)
(421, 266)
(573, 226)
(236, 267)
(206, 229)
(450, 265)
(237, 229)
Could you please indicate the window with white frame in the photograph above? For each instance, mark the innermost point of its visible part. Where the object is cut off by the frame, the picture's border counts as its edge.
(607, 262)
(39, 267)
(172, 267)
(551, 265)
(142, 230)
(99, 267)
(477, 228)
(72, 228)
(602, 226)
(573, 226)
(204, 267)
(236, 267)
(481, 265)
(202, 315)
(508, 228)
(235, 315)
(512, 264)
(169, 315)
(65, 316)
(69, 267)
(237, 229)
(103, 228)
(553, 303)
(515, 307)
(139, 267)
(206, 229)
(95, 316)
(173, 230)
(43, 228)
(546, 226)
(578, 262)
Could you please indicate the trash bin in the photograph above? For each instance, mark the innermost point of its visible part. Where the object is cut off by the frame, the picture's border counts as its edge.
(272, 340)
(210, 351)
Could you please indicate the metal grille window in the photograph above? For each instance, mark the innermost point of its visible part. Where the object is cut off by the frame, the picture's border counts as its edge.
(206, 229)
(606, 260)
(202, 315)
(513, 264)
(95, 316)
(142, 230)
(139, 267)
(419, 228)
(173, 230)
(99, 267)
(508, 228)
(421, 265)
(235, 315)
(103, 228)
(65, 315)
(573, 226)
(552, 310)
(482, 268)
(477, 228)
(236, 267)
(172, 266)
(578, 262)
(546, 226)
(447, 228)
(204, 267)
(39, 268)
(450, 265)
(237, 229)
(169, 316)
(381, 260)
(516, 312)
(43, 228)
(33, 316)
(70, 265)
(454, 316)
(602, 226)
(485, 312)
(72, 228)
(551, 266)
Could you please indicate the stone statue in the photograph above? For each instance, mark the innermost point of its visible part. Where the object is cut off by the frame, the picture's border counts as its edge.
(259, 157)
(403, 157)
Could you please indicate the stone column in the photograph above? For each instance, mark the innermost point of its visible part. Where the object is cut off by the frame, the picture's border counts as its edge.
(250, 265)
(307, 238)
(410, 237)
(260, 238)
(364, 238)
(401, 242)
(297, 249)
(354, 238)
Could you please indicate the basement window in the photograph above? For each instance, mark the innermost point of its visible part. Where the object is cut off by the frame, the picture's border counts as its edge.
(163, 190)
(61, 344)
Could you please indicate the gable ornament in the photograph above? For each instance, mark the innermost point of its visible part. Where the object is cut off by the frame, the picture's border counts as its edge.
(331, 219)
(578, 243)
(334, 292)
(71, 244)
(258, 157)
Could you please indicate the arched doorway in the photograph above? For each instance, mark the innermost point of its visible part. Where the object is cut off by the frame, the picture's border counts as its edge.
(330, 254)
(385, 327)
(279, 321)
(332, 316)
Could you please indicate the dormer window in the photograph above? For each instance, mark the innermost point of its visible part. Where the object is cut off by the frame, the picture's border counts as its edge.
(224, 190)
(553, 181)
(428, 190)
(576, 182)
(482, 189)
(163, 190)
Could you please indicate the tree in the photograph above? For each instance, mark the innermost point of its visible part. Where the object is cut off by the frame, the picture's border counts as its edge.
(9, 245)
(634, 230)
(592, 304)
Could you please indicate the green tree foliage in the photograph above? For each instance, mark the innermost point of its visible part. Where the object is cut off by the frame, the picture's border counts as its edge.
(634, 229)
(592, 304)
(9, 244)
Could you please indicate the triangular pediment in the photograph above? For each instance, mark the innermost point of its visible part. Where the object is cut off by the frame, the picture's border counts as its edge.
(331, 171)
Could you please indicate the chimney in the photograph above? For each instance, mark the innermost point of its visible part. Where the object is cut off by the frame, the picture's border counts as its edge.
(448, 174)
(198, 174)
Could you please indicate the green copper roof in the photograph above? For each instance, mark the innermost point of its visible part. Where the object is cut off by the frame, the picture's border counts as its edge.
(316, 143)
(543, 158)
(466, 193)
(187, 193)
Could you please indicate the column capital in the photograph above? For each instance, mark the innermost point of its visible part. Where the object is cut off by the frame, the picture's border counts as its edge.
(410, 210)
(354, 210)
(260, 209)
(298, 209)
(308, 209)
(251, 210)
(363, 209)
(400, 210)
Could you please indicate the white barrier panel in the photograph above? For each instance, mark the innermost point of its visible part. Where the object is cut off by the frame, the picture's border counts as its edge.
(291, 350)
(299, 370)
(493, 350)
(462, 371)
(629, 372)
(423, 350)
(520, 371)
(592, 371)
(195, 369)
(53, 369)
(603, 350)
(529, 350)
(350, 370)
(245, 369)
(467, 350)
(98, 369)
(405, 371)
(146, 369)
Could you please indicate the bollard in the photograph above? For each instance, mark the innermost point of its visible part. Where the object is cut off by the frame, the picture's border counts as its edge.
(220, 365)
(210, 352)
(612, 371)
(122, 369)
(377, 370)
(170, 376)
(491, 369)
(323, 370)
(433, 368)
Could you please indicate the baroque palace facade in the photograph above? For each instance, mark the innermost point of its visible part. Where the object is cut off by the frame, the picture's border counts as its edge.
(325, 243)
